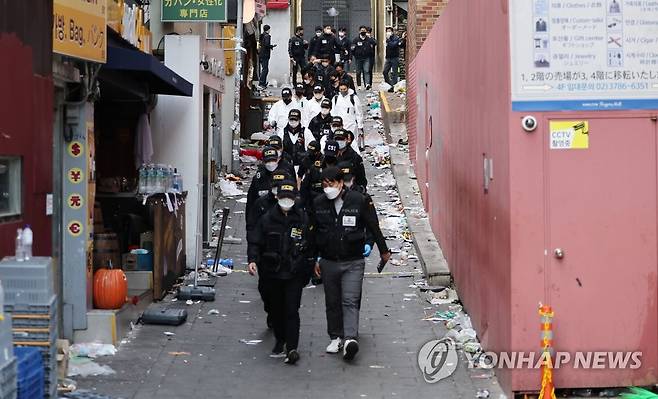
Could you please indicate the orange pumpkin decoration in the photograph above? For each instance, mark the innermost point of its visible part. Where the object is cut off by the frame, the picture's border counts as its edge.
(110, 288)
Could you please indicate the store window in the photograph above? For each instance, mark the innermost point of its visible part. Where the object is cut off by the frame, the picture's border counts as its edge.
(10, 188)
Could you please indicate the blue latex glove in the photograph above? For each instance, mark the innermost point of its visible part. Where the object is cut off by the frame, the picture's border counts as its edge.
(367, 249)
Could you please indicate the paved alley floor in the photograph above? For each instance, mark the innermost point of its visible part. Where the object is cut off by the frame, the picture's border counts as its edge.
(208, 357)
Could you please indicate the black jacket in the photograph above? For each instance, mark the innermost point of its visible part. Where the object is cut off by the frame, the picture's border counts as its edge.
(258, 209)
(393, 45)
(265, 45)
(327, 46)
(344, 48)
(313, 46)
(319, 123)
(295, 151)
(311, 185)
(261, 184)
(342, 237)
(283, 245)
(297, 48)
(363, 48)
(349, 155)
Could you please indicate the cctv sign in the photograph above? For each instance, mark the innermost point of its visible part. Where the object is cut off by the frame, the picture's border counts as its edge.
(583, 55)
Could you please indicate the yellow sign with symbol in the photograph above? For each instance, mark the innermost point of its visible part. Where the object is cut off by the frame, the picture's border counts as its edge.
(569, 135)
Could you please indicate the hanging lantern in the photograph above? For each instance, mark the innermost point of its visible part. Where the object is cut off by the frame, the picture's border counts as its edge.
(332, 12)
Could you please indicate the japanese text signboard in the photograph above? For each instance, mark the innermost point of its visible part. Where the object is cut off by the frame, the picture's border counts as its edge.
(584, 54)
(194, 10)
(79, 29)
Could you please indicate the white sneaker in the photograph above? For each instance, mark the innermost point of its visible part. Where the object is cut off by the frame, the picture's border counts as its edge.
(334, 346)
(350, 349)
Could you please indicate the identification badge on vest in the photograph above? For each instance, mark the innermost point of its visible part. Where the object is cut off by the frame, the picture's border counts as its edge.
(297, 43)
(263, 192)
(296, 232)
(318, 164)
(359, 43)
(349, 221)
(324, 41)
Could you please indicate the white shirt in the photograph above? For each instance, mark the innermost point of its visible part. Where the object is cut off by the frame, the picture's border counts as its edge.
(279, 114)
(312, 108)
(352, 114)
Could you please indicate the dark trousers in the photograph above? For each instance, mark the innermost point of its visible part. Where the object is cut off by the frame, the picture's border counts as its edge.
(284, 297)
(371, 65)
(299, 65)
(363, 68)
(264, 70)
(262, 286)
(391, 66)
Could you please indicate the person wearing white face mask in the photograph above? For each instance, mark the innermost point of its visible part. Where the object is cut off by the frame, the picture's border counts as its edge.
(260, 208)
(317, 111)
(392, 62)
(283, 251)
(293, 137)
(346, 153)
(343, 220)
(314, 44)
(261, 183)
(278, 115)
(348, 106)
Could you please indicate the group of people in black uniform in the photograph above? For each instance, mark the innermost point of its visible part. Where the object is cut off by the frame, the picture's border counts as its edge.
(310, 219)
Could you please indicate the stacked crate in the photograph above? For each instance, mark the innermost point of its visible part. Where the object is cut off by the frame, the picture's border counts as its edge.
(30, 373)
(32, 304)
(8, 373)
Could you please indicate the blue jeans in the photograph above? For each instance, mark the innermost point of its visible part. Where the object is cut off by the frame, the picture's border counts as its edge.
(391, 66)
(363, 67)
(264, 70)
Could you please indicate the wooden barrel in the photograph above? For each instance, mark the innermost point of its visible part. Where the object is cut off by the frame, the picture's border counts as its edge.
(106, 249)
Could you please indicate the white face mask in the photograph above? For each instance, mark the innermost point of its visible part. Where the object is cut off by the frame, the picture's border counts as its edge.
(286, 204)
(307, 81)
(331, 192)
(274, 190)
(293, 124)
(334, 128)
(280, 152)
(341, 144)
(318, 34)
(318, 96)
(389, 34)
(271, 166)
(341, 34)
(324, 111)
(349, 183)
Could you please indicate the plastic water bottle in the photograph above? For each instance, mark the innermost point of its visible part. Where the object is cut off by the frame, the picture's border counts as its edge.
(20, 254)
(150, 179)
(28, 239)
(143, 179)
(170, 179)
(160, 185)
(178, 182)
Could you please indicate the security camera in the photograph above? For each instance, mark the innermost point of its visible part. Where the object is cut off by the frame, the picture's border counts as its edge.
(529, 123)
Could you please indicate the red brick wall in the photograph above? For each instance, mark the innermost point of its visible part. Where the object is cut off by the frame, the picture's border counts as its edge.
(422, 15)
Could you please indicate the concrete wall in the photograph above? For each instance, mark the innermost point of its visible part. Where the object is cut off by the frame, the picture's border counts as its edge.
(177, 129)
(279, 20)
(467, 101)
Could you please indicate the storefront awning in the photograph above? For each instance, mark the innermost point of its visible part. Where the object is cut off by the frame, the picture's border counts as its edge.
(147, 68)
(402, 4)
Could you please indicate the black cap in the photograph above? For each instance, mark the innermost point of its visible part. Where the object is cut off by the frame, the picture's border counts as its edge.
(318, 89)
(337, 119)
(295, 114)
(347, 168)
(279, 176)
(340, 133)
(318, 28)
(299, 87)
(275, 142)
(326, 103)
(286, 92)
(270, 154)
(286, 189)
(330, 148)
(313, 146)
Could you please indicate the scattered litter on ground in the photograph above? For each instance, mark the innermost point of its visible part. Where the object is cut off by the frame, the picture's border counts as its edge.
(400, 87)
(383, 86)
(169, 333)
(84, 367)
(245, 301)
(442, 298)
(213, 312)
(482, 393)
(230, 188)
(241, 200)
(251, 341)
(189, 302)
(179, 353)
(92, 350)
